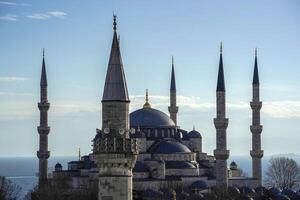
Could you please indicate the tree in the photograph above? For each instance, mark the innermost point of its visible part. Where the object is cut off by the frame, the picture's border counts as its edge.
(8, 190)
(60, 189)
(283, 173)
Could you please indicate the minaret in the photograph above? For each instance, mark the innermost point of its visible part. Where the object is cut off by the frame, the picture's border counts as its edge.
(115, 153)
(173, 108)
(256, 128)
(43, 153)
(221, 122)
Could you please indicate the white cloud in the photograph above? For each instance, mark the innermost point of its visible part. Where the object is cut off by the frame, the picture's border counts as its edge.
(62, 108)
(16, 94)
(9, 17)
(12, 78)
(39, 16)
(48, 15)
(273, 109)
(192, 102)
(282, 109)
(13, 3)
(58, 14)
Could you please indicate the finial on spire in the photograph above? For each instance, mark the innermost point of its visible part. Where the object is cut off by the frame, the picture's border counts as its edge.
(221, 48)
(147, 105)
(79, 154)
(193, 127)
(255, 51)
(147, 98)
(43, 52)
(115, 22)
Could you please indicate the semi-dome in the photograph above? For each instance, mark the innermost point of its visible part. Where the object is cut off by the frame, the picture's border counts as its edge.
(149, 117)
(170, 147)
(194, 134)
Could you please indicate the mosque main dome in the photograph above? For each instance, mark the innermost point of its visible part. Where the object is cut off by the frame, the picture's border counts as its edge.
(150, 117)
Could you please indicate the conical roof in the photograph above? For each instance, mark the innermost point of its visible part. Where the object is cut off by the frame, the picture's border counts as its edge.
(115, 88)
(221, 82)
(43, 74)
(173, 82)
(255, 73)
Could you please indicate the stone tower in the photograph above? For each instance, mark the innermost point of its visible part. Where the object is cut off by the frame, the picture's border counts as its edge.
(221, 122)
(43, 129)
(114, 152)
(173, 108)
(256, 129)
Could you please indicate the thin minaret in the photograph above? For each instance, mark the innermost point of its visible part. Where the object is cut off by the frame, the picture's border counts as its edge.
(173, 108)
(221, 122)
(115, 152)
(256, 128)
(43, 129)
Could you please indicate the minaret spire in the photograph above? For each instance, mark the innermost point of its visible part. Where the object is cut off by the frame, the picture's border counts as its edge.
(43, 129)
(221, 122)
(173, 108)
(44, 74)
(115, 88)
(255, 74)
(221, 82)
(256, 128)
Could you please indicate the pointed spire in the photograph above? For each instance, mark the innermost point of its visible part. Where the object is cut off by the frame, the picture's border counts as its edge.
(173, 82)
(221, 82)
(147, 104)
(115, 88)
(255, 74)
(193, 127)
(44, 74)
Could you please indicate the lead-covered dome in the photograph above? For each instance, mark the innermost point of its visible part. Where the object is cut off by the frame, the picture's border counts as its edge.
(149, 117)
(194, 134)
(170, 147)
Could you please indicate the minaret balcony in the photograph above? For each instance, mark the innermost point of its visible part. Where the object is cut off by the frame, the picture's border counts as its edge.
(221, 154)
(257, 153)
(43, 105)
(43, 154)
(221, 123)
(173, 109)
(256, 105)
(43, 129)
(256, 129)
(115, 145)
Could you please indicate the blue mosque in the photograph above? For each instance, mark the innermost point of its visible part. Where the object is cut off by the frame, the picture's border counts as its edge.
(146, 149)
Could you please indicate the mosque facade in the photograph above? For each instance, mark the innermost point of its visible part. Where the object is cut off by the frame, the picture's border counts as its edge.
(147, 149)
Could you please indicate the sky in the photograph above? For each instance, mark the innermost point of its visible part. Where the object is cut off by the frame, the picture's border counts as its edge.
(77, 37)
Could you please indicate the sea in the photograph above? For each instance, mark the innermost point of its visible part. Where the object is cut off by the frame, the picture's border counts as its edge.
(23, 170)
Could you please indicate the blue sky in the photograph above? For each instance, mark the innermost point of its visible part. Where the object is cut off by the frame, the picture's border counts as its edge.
(77, 38)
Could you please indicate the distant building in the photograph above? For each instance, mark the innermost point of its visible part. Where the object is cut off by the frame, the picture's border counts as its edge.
(147, 149)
